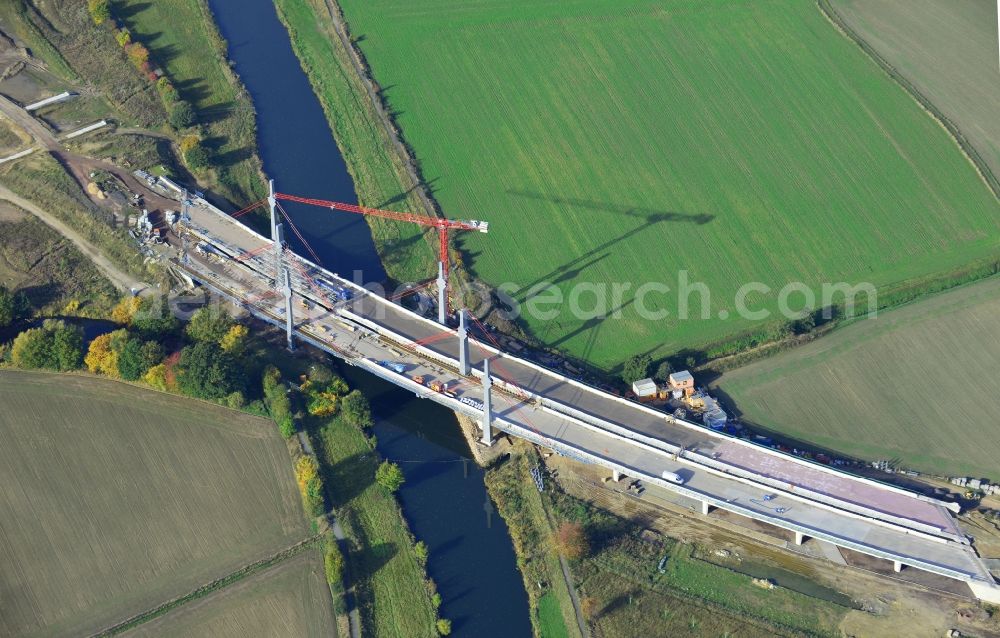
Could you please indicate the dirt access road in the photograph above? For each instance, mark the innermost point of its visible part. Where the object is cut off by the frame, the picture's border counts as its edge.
(118, 277)
(80, 167)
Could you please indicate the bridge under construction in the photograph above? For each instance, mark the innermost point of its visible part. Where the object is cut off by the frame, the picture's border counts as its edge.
(508, 394)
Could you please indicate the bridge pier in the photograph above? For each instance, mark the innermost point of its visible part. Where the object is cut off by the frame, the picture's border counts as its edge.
(289, 324)
(487, 404)
(272, 204)
(799, 538)
(463, 344)
(277, 234)
(442, 285)
(897, 566)
(616, 475)
(705, 508)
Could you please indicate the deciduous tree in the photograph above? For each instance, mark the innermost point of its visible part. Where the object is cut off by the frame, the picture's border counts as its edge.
(156, 377)
(67, 346)
(102, 356)
(356, 410)
(235, 340)
(33, 349)
(389, 476)
(208, 324)
(637, 367)
(100, 10)
(124, 312)
(207, 372)
(137, 357)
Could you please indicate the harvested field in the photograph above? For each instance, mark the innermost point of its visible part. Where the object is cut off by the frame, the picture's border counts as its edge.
(915, 384)
(625, 142)
(948, 50)
(117, 499)
(289, 599)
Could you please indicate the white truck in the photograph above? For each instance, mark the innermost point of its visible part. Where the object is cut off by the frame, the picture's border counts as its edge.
(672, 477)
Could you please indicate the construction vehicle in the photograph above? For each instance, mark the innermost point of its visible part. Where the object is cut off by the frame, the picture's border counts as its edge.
(438, 386)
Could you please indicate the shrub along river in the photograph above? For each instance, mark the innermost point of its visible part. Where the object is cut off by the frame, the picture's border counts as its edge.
(470, 554)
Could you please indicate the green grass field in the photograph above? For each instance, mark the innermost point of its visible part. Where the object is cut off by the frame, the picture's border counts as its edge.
(289, 599)
(550, 618)
(193, 55)
(623, 142)
(116, 499)
(916, 384)
(948, 50)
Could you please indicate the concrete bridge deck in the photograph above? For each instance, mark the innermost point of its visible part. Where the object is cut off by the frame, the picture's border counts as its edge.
(593, 426)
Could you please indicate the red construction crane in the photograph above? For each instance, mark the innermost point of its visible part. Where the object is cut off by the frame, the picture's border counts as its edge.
(443, 226)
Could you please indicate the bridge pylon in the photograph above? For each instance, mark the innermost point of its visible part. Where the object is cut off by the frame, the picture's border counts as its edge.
(463, 344)
(277, 235)
(487, 404)
(289, 322)
(442, 284)
(272, 204)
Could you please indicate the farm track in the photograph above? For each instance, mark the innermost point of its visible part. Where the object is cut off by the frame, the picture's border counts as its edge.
(210, 588)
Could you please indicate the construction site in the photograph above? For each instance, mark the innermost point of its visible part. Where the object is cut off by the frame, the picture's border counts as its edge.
(700, 464)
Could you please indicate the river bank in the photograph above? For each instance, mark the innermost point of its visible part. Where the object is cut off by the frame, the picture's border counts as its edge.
(380, 175)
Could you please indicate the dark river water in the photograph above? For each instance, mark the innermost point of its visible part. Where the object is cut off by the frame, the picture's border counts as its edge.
(444, 498)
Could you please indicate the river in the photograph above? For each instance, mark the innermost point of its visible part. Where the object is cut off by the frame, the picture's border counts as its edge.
(444, 498)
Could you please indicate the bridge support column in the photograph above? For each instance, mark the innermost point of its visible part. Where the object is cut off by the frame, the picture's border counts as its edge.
(272, 204)
(463, 344)
(705, 508)
(616, 475)
(897, 566)
(289, 323)
(487, 404)
(277, 236)
(442, 285)
(799, 538)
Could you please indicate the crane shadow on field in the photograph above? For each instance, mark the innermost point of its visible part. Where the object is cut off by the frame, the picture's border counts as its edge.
(572, 269)
(648, 215)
